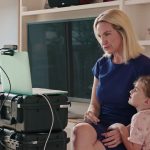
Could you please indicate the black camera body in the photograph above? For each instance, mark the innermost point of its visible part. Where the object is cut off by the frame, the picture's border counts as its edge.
(62, 3)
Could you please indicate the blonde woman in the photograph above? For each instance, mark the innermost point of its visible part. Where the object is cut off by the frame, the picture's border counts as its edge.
(114, 74)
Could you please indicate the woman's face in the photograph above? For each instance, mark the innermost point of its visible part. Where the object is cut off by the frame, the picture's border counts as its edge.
(110, 39)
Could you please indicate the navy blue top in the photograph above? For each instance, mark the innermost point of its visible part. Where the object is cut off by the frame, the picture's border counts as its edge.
(116, 81)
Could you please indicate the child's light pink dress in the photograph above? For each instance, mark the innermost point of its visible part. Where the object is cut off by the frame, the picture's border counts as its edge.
(140, 129)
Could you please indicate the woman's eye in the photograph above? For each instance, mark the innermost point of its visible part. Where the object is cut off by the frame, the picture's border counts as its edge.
(99, 36)
(106, 34)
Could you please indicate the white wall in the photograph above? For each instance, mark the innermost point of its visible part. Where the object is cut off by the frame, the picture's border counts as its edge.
(9, 22)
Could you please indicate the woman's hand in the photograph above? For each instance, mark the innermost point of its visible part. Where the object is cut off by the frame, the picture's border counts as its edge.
(112, 137)
(89, 116)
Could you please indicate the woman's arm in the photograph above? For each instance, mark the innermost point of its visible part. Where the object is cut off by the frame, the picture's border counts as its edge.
(92, 113)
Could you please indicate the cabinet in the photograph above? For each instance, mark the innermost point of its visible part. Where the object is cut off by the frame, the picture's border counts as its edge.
(137, 10)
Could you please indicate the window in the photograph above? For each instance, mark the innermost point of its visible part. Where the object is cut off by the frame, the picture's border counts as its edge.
(62, 55)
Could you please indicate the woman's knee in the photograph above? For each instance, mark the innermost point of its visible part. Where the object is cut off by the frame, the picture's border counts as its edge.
(83, 129)
(84, 137)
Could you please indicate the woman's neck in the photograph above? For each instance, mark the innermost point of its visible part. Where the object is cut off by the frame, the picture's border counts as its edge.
(117, 59)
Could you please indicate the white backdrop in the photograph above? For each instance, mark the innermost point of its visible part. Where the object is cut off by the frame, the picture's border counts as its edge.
(8, 22)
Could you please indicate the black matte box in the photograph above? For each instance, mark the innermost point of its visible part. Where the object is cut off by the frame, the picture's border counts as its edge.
(62, 3)
(33, 141)
(32, 113)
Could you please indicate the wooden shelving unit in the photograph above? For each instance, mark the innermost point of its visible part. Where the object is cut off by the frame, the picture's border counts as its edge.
(137, 10)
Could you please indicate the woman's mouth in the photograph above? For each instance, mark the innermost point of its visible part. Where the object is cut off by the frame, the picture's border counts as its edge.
(105, 47)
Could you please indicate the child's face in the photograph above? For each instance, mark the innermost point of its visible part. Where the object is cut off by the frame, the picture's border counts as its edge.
(137, 97)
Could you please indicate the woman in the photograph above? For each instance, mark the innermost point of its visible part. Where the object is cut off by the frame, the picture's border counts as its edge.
(114, 75)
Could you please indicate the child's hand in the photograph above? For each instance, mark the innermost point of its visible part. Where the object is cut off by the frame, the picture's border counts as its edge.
(112, 138)
(122, 128)
(116, 126)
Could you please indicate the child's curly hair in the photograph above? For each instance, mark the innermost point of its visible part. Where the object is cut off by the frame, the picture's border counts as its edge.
(145, 80)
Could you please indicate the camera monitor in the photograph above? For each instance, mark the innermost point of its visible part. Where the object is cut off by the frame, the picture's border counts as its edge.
(15, 73)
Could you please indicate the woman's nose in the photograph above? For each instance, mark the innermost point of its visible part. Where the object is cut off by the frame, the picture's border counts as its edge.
(103, 40)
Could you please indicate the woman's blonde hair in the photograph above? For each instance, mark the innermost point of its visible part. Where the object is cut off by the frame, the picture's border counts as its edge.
(121, 23)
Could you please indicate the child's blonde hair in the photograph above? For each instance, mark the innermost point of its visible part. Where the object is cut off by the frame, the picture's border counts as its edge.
(145, 80)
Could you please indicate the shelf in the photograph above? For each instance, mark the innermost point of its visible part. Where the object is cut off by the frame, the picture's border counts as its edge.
(36, 13)
(134, 2)
(71, 8)
(145, 42)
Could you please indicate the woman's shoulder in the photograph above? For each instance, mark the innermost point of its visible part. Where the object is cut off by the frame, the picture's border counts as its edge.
(142, 59)
(104, 59)
(101, 64)
(142, 64)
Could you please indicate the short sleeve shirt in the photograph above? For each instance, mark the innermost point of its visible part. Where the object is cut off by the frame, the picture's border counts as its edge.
(140, 129)
(115, 83)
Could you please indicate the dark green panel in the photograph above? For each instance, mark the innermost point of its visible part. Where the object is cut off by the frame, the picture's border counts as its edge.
(47, 52)
(62, 55)
(86, 51)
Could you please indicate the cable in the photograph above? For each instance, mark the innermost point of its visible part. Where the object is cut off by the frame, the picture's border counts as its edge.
(47, 100)
(44, 96)
(5, 98)
(8, 91)
(2, 144)
(1, 137)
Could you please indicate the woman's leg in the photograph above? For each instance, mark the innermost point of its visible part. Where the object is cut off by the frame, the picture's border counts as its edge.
(85, 138)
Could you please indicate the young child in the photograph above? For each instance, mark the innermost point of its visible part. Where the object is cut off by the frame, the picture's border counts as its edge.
(138, 136)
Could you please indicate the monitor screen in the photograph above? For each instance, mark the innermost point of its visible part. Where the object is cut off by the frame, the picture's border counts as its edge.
(15, 73)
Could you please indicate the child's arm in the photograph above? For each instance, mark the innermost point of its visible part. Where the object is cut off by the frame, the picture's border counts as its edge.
(124, 135)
